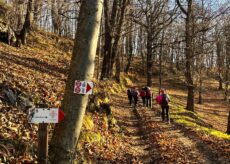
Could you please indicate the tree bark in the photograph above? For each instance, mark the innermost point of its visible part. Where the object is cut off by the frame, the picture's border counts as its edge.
(66, 133)
(118, 67)
(109, 24)
(160, 60)
(200, 100)
(227, 60)
(129, 48)
(219, 63)
(28, 22)
(37, 10)
(149, 59)
(188, 52)
(99, 49)
(56, 20)
(123, 5)
(228, 128)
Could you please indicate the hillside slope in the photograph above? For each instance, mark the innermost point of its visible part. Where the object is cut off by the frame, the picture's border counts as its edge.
(35, 74)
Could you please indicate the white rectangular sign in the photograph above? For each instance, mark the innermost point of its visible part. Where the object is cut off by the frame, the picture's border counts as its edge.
(43, 115)
(83, 87)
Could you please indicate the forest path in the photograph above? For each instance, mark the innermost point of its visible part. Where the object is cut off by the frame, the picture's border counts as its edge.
(131, 124)
(154, 141)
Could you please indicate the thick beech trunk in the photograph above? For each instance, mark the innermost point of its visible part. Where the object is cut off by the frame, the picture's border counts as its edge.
(66, 133)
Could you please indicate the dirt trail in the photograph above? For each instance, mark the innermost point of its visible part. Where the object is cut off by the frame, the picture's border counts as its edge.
(130, 123)
(154, 141)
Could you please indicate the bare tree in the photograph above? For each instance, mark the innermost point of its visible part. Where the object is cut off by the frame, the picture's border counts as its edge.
(28, 22)
(155, 20)
(188, 51)
(113, 26)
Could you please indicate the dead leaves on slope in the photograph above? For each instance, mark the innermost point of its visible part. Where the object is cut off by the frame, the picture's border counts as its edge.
(110, 147)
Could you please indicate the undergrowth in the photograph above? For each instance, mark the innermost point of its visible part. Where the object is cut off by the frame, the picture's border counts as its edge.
(191, 119)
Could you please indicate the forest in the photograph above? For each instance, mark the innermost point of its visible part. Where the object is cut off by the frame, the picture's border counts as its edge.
(114, 81)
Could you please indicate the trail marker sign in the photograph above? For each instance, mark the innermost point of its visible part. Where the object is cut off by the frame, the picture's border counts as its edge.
(83, 87)
(45, 115)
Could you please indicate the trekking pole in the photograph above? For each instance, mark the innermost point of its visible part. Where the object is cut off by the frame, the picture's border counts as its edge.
(151, 101)
(169, 121)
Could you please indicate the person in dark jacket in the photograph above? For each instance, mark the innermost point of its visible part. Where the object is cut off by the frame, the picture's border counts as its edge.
(129, 96)
(135, 94)
(165, 105)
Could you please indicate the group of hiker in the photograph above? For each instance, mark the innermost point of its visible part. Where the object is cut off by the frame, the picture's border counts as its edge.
(145, 94)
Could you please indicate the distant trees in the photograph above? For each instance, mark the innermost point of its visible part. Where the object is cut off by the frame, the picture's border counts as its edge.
(113, 25)
(187, 36)
(153, 16)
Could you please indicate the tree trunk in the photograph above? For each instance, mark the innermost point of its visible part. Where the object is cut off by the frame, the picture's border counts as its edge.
(56, 20)
(219, 63)
(160, 60)
(200, 101)
(188, 51)
(149, 60)
(123, 5)
(66, 133)
(118, 67)
(227, 60)
(28, 21)
(141, 51)
(20, 15)
(37, 10)
(99, 50)
(129, 51)
(129, 42)
(226, 85)
(228, 128)
(189, 57)
(109, 24)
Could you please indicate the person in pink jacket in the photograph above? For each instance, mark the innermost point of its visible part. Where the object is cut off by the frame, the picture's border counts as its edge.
(165, 105)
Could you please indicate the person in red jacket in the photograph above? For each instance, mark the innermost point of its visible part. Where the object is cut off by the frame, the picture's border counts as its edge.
(148, 96)
(143, 95)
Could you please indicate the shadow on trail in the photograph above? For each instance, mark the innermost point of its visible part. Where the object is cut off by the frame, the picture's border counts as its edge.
(204, 147)
(198, 120)
(131, 124)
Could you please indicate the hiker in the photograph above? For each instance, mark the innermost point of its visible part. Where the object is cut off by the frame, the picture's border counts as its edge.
(148, 96)
(134, 93)
(165, 105)
(143, 95)
(129, 96)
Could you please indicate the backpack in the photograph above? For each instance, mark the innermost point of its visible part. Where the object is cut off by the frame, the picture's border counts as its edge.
(129, 92)
(165, 100)
(142, 93)
(159, 99)
(134, 93)
(148, 92)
